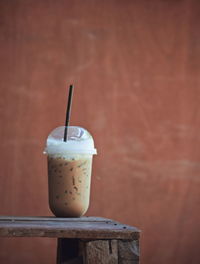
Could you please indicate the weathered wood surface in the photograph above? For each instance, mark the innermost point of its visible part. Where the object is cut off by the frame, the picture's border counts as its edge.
(128, 252)
(97, 251)
(101, 251)
(85, 228)
(57, 219)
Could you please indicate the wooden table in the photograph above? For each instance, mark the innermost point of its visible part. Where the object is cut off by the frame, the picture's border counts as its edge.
(87, 240)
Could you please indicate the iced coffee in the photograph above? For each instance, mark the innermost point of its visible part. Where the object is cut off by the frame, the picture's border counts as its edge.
(69, 171)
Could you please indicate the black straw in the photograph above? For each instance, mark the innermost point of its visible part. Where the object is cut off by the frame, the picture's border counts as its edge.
(71, 87)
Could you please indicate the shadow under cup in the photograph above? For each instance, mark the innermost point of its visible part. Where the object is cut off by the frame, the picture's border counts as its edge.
(69, 171)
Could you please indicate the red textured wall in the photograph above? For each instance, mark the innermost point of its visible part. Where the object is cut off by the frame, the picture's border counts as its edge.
(136, 70)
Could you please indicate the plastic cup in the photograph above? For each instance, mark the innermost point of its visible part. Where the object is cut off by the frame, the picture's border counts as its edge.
(69, 171)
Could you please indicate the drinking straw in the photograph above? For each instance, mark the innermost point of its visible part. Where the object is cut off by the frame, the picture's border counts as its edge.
(71, 87)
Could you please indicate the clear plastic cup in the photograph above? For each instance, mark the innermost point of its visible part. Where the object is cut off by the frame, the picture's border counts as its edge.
(69, 171)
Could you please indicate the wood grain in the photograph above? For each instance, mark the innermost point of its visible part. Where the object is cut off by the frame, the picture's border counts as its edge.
(97, 251)
(128, 252)
(56, 219)
(84, 228)
(100, 251)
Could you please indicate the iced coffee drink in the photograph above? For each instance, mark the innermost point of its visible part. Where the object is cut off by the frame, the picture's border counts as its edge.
(69, 171)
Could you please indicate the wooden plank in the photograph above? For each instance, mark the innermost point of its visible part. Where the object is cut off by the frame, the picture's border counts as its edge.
(101, 251)
(128, 252)
(68, 229)
(53, 218)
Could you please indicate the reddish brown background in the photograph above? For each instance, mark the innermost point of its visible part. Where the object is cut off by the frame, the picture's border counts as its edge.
(136, 68)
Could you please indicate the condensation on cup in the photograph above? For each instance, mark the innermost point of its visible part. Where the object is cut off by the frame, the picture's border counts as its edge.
(69, 171)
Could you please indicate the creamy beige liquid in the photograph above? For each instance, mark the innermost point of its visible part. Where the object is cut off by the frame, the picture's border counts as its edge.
(69, 185)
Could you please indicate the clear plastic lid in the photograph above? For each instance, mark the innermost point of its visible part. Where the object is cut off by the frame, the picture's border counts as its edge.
(79, 141)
